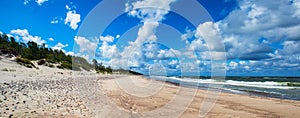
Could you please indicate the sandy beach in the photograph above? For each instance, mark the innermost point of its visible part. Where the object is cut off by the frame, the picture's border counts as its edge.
(52, 92)
(227, 105)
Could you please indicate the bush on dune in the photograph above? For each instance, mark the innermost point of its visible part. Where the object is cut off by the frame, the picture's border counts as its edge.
(41, 62)
(25, 62)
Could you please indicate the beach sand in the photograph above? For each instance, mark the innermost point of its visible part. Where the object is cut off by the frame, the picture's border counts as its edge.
(51, 92)
(227, 105)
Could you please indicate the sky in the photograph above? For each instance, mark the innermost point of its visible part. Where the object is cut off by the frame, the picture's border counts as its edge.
(166, 37)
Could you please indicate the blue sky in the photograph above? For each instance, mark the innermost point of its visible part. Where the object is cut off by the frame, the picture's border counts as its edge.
(168, 37)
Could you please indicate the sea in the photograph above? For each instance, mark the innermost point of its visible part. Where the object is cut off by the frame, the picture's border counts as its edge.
(274, 87)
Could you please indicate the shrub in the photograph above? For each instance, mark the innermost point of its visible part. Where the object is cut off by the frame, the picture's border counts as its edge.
(5, 69)
(50, 65)
(60, 67)
(66, 65)
(50, 61)
(41, 62)
(25, 62)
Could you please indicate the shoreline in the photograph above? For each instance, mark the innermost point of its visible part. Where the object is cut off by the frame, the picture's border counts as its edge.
(228, 104)
(51, 92)
(227, 87)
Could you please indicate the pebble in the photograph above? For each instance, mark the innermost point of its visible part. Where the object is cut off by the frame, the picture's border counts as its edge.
(39, 97)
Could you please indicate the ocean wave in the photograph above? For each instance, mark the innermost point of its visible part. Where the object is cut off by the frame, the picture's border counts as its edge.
(266, 84)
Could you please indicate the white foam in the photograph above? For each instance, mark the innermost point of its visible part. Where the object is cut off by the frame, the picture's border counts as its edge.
(267, 84)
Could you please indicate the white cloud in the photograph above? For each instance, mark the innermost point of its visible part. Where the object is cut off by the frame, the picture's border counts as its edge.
(189, 34)
(149, 17)
(297, 8)
(85, 44)
(56, 20)
(248, 34)
(133, 54)
(255, 30)
(59, 46)
(146, 14)
(173, 62)
(107, 38)
(20, 32)
(51, 39)
(243, 28)
(68, 8)
(209, 31)
(233, 64)
(117, 36)
(24, 34)
(72, 19)
(290, 48)
(109, 51)
(70, 53)
(207, 45)
(242, 62)
(26, 2)
(40, 2)
(165, 54)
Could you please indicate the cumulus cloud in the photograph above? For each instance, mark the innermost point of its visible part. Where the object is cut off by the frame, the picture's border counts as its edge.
(151, 12)
(251, 33)
(51, 39)
(39, 2)
(243, 28)
(59, 46)
(210, 33)
(188, 35)
(263, 33)
(233, 64)
(166, 54)
(108, 39)
(256, 36)
(107, 50)
(25, 36)
(206, 43)
(85, 45)
(70, 53)
(72, 18)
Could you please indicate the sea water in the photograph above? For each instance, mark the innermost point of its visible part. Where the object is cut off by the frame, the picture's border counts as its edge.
(276, 87)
